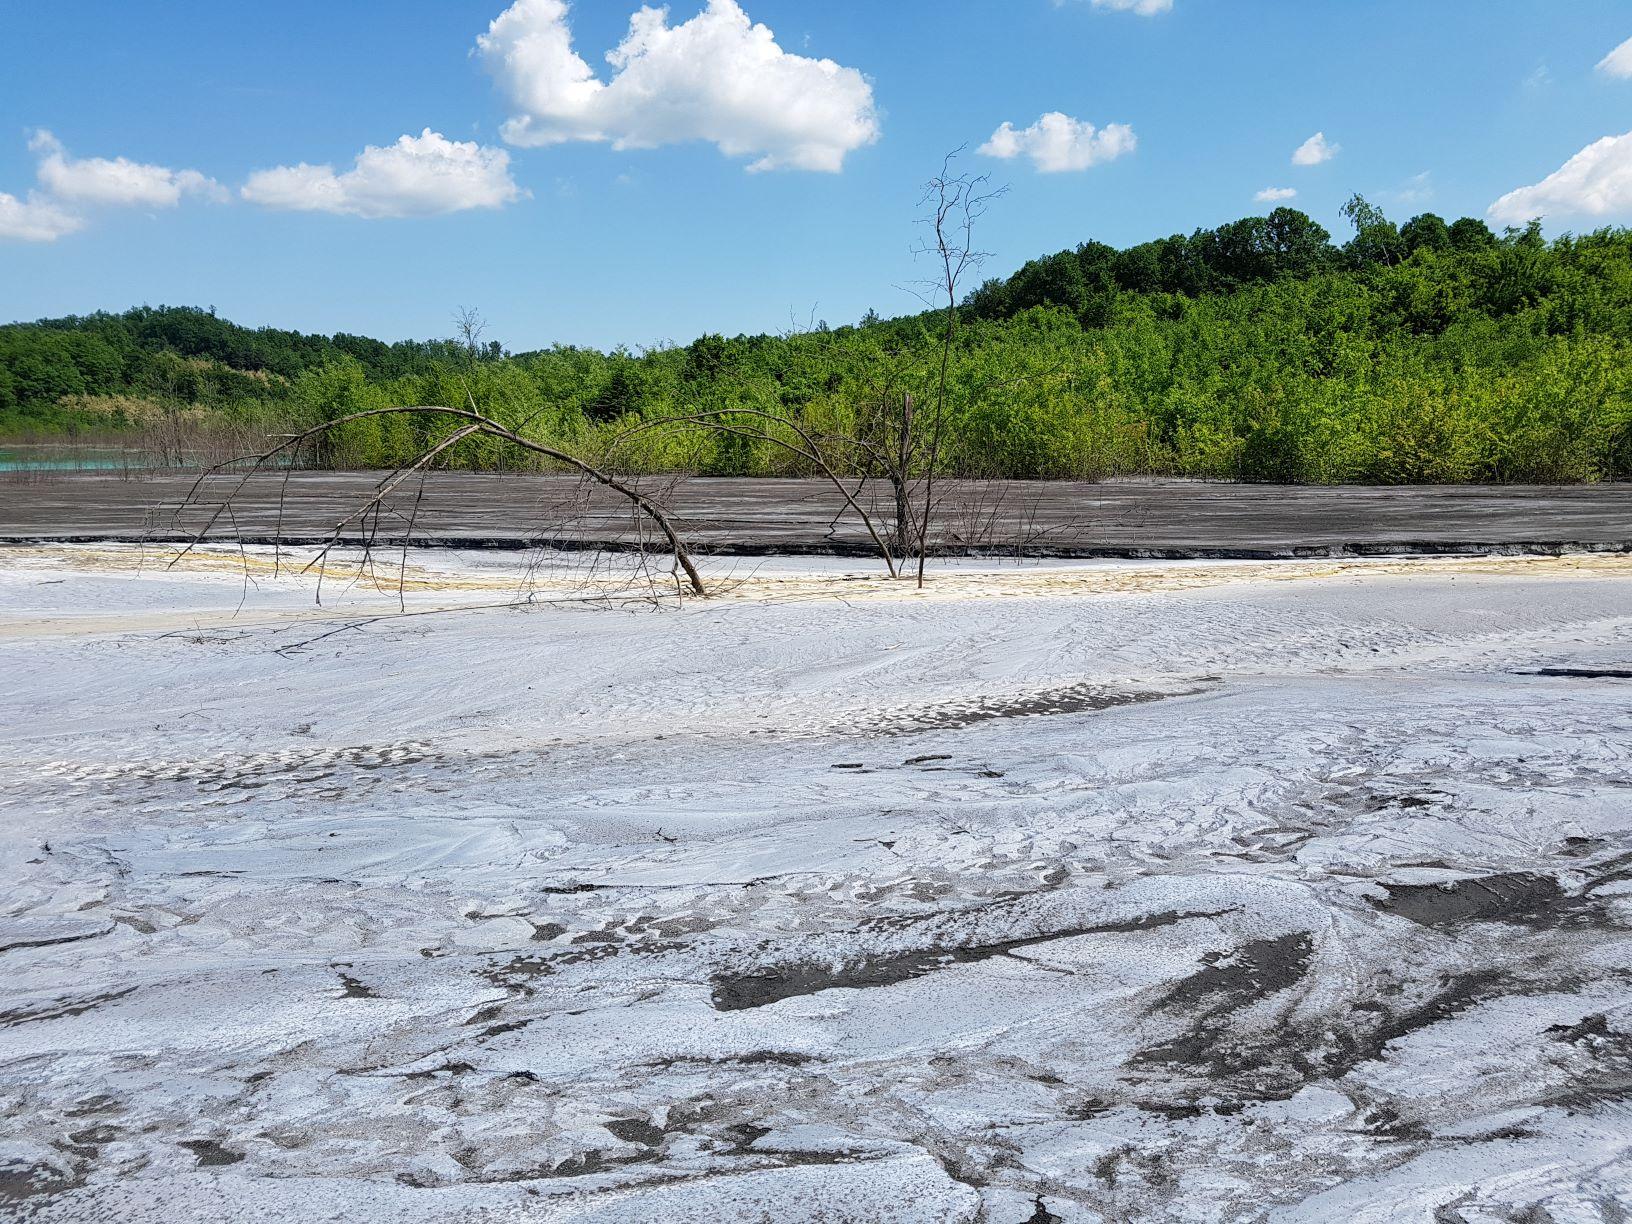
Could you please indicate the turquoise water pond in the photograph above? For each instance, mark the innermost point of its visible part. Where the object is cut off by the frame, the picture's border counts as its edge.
(64, 458)
(19, 457)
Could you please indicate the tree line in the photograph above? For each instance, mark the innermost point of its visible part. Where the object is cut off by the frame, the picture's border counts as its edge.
(1262, 349)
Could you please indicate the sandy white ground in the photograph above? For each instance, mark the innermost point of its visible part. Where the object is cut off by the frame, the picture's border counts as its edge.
(1112, 892)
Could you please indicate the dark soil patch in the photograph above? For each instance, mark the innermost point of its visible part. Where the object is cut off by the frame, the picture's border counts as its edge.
(1520, 898)
(637, 1130)
(33, 1181)
(210, 1153)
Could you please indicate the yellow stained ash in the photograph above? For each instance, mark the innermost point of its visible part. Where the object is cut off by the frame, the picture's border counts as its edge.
(1146, 577)
(379, 575)
(373, 586)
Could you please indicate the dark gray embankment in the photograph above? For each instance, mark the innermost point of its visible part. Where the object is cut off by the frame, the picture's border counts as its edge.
(1123, 518)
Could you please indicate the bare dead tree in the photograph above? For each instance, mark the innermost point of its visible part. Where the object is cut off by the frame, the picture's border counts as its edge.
(888, 429)
(901, 413)
(469, 327)
(956, 203)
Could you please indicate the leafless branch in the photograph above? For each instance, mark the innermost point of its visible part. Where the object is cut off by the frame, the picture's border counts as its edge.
(473, 423)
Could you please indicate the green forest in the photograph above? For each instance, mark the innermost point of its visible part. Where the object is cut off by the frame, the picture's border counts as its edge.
(1261, 350)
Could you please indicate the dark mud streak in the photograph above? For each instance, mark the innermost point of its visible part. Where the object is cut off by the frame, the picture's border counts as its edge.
(756, 1058)
(515, 974)
(1227, 984)
(1582, 673)
(761, 988)
(582, 1165)
(952, 716)
(61, 1009)
(1607, 1054)
(356, 988)
(1276, 1061)
(1455, 994)
(1254, 970)
(51, 943)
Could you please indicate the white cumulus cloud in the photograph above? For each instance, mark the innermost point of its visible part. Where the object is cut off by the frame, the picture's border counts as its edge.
(1274, 195)
(718, 77)
(1618, 63)
(1315, 150)
(419, 176)
(1596, 182)
(68, 186)
(35, 219)
(1058, 143)
(1145, 8)
(115, 182)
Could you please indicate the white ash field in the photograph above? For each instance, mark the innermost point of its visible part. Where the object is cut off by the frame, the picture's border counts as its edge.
(1124, 891)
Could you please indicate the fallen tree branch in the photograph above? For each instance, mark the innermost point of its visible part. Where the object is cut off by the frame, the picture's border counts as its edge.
(476, 423)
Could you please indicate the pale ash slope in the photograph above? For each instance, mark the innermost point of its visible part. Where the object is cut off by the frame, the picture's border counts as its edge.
(1261, 900)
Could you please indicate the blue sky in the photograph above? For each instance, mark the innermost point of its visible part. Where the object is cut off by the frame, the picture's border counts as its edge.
(556, 233)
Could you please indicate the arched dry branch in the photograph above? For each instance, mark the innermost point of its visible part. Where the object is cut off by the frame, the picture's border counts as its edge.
(473, 423)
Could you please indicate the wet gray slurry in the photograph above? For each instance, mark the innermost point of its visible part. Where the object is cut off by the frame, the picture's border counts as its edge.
(731, 516)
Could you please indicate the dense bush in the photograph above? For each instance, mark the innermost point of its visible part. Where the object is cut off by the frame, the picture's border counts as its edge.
(1260, 350)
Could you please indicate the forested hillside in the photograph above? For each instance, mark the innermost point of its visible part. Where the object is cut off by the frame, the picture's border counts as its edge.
(1260, 350)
